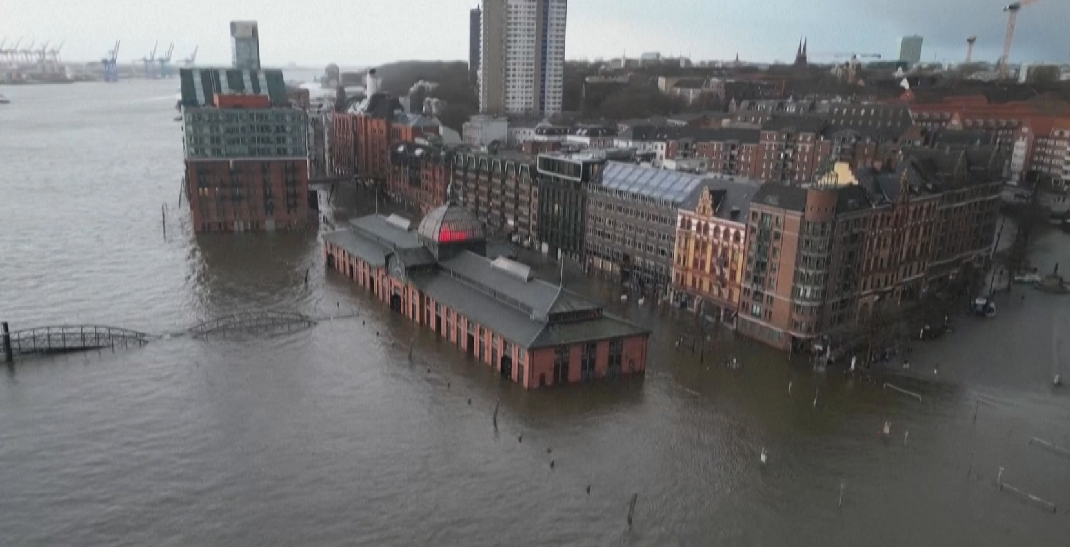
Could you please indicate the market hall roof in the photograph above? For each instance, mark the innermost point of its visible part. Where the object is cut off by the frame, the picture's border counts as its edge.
(500, 293)
(200, 85)
(451, 223)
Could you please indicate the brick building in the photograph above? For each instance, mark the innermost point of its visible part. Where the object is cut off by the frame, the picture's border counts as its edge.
(364, 134)
(419, 175)
(791, 149)
(527, 330)
(246, 153)
(821, 258)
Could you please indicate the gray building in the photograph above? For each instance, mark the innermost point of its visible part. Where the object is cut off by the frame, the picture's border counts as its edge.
(215, 131)
(631, 222)
(475, 17)
(245, 45)
(910, 49)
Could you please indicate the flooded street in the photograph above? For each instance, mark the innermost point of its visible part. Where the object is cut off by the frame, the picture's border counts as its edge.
(332, 436)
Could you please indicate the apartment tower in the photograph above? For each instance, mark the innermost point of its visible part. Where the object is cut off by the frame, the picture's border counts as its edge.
(522, 56)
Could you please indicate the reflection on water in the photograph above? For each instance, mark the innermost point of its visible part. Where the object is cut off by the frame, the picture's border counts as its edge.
(333, 436)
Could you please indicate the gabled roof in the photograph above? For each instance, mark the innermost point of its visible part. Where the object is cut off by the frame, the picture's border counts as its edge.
(199, 86)
(800, 124)
(774, 194)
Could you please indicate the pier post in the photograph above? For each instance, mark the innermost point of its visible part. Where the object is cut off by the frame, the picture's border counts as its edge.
(6, 335)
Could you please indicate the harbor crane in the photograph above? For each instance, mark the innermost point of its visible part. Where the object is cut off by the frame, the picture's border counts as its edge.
(53, 54)
(41, 53)
(111, 67)
(26, 53)
(150, 59)
(969, 48)
(1012, 18)
(188, 61)
(165, 62)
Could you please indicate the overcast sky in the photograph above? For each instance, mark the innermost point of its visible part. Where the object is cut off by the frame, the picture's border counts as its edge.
(366, 32)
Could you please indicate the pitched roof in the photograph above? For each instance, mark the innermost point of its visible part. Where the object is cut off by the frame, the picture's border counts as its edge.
(377, 228)
(367, 250)
(801, 124)
(199, 86)
(736, 194)
(649, 182)
(536, 295)
(783, 196)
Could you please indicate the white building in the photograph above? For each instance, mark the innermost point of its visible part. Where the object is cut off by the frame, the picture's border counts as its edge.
(481, 130)
(522, 56)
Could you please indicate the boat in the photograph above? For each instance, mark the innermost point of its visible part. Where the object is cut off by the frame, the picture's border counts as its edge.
(4, 100)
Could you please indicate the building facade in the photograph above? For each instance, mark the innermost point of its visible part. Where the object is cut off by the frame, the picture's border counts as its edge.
(562, 217)
(711, 238)
(522, 56)
(525, 329)
(821, 259)
(245, 45)
(419, 175)
(501, 190)
(246, 152)
(631, 223)
(910, 49)
(364, 134)
(475, 20)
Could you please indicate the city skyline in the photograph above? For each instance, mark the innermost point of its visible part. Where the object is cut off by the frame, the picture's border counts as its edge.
(713, 30)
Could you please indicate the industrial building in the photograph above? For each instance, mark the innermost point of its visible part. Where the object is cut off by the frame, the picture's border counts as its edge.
(532, 332)
(246, 153)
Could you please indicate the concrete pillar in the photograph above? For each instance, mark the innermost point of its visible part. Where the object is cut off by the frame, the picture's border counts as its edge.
(6, 335)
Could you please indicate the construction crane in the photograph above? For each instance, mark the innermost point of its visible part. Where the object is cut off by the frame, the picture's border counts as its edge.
(969, 48)
(188, 61)
(1012, 18)
(111, 67)
(150, 59)
(165, 62)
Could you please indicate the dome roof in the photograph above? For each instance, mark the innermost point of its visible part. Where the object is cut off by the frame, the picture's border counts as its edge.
(451, 223)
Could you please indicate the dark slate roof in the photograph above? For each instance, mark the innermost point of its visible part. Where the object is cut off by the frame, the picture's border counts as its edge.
(962, 138)
(737, 193)
(720, 134)
(602, 328)
(642, 132)
(511, 323)
(198, 86)
(536, 295)
(367, 250)
(851, 198)
(775, 194)
(376, 228)
(379, 105)
(801, 124)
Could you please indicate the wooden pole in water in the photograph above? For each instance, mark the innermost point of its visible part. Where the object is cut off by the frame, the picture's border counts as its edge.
(496, 405)
(8, 355)
(163, 219)
(631, 507)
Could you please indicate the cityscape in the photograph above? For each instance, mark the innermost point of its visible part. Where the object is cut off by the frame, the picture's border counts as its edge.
(581, 301)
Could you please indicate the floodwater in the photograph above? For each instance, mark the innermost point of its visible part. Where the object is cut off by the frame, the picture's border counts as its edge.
(331, 436)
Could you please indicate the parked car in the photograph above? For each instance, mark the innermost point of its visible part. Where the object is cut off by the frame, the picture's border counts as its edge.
(984, 306)
(1030, 278)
